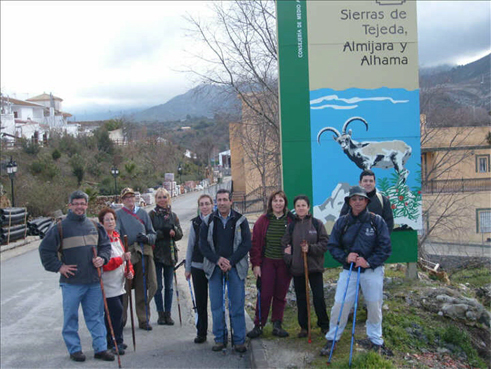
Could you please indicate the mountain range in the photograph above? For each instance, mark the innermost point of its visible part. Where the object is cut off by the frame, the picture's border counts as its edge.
(465, 86)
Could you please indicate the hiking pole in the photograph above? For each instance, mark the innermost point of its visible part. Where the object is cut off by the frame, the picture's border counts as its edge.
(107, 310)
(194, 304)
(130, 297)
(258, 286)
(144, 287)
(225, 334)
(354, 316)
(178, 265)
(307, 293)
(230, 312)
(340, 313)
(172, 248)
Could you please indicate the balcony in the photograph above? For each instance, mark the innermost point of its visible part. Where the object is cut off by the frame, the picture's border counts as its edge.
(456, 185)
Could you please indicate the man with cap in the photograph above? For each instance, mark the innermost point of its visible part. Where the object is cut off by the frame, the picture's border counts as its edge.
(68, 248)
(378, 204)
(135, 223)
(360, 238)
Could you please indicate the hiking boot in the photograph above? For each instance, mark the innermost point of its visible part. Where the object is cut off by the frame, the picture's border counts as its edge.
(278, 330)
(124, 346)
(375, 348)
(324, 330)
(255, 332)
(161, 320)
(168, 319)
(240, 348)
(326, 350)
(200, 339)
(303, 333)
(219, 346)
(104, 355)
(77, 356)
(120, 350)
(145, 326)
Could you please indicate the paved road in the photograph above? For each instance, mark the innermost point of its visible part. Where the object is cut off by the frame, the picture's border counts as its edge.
(31, 319)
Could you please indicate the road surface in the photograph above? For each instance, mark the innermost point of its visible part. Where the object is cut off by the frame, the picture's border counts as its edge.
(32, 317)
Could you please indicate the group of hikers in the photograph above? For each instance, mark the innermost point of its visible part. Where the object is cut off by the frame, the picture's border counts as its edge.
(137, 250)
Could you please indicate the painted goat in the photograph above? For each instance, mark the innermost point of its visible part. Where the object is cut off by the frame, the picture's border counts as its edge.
(370, 154)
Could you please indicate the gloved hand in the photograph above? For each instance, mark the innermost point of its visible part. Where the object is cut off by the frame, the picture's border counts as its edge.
(141, 238)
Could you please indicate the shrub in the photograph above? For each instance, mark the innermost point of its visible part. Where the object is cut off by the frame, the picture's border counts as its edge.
(56, 154)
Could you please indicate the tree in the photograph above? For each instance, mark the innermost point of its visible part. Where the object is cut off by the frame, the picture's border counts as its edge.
(448, 142)
(241, 53)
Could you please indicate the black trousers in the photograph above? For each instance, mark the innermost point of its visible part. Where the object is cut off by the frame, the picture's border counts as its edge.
(317, 286)
(115, 307)
(200, 285)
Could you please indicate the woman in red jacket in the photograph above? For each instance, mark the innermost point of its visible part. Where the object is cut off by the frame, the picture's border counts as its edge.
(268, 266)
(114, 279)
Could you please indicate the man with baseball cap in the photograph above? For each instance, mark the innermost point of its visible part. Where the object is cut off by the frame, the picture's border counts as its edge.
(135, 223)
(360, 238)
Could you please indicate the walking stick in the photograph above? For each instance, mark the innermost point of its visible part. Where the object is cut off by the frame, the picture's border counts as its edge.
(144, 286)
(194, 304)
(340, 313)
(225, 334)
(307, 294)
(175, 279)
(232, 343)
(107, 311)
(354, 316)
(130, 297)
(258, 286)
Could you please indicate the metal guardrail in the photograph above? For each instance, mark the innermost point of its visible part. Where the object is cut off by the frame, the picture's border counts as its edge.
(456, 185)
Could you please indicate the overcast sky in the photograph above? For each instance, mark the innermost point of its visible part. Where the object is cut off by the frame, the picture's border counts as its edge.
(129, 53)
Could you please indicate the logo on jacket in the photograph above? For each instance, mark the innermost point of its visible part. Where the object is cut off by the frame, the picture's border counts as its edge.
(369, 232)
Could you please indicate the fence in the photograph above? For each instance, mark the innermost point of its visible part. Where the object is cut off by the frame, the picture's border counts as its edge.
(456, 185)
(253, 201)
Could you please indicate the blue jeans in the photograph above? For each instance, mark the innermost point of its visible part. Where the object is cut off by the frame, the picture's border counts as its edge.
(90, 296)
(236, 293)
(167, 271)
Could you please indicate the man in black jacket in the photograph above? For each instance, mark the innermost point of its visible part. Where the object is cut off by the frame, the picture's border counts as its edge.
(379, 204)
(360, 239)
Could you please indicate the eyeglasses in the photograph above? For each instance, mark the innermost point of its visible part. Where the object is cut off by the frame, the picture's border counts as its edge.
(204, 204)
(79, 204)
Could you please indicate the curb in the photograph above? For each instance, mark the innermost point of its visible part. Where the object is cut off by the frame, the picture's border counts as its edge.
(256, 349)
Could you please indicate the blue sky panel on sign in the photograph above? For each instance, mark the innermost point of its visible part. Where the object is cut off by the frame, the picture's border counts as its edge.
(374, 129)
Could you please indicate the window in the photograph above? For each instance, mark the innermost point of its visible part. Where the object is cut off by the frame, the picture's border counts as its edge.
(482, 163)
(483, 220)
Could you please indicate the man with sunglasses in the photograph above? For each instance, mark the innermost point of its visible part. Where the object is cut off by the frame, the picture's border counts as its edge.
(360, 238)
(68, 248)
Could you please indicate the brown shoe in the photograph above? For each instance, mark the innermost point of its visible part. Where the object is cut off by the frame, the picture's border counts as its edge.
(240, 348)
(104, 355)
(77, 356)
(145, 326)
(168, 319)
(161, 319)
(303, 333)
(219, 346)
